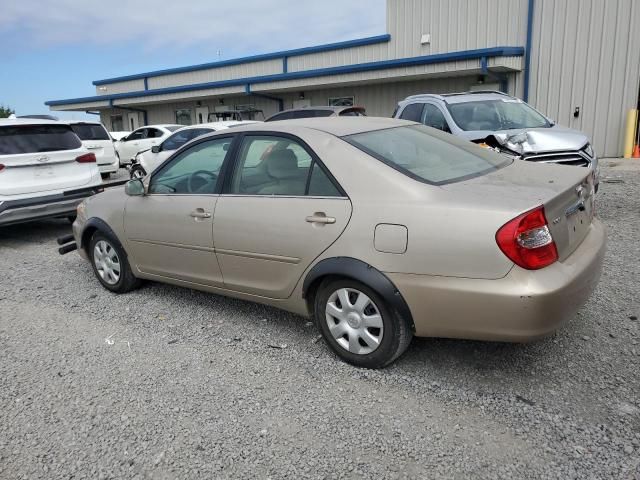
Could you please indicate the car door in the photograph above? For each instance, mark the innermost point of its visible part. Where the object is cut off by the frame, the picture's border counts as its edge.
(150, 137)
(128, 146)
(169, 230)
(279, 211)
(433, 117)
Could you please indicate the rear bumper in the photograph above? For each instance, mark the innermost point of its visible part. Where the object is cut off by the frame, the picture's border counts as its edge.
(522, 306)
(37, 208)
(110, 167)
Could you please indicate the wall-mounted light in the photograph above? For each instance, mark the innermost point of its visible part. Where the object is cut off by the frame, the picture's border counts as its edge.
(221, 101)
(301, 96)
(425, 39)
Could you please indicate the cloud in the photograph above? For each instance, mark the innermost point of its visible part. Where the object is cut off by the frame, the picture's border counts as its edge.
(236, 25)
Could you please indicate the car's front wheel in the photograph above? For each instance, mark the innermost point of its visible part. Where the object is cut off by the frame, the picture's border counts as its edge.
(138, 172)
(358, 325)
(110, 264)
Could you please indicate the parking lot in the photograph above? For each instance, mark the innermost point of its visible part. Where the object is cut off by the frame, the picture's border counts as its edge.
(167, 382)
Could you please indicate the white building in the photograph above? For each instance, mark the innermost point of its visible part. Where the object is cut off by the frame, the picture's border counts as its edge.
(577, 61)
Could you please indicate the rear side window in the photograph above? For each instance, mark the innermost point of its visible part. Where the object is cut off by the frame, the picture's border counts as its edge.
(412, 112)
(37, 138)
(90, 131)
(428, 155)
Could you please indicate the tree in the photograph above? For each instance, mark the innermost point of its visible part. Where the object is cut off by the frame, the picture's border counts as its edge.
(5, 111)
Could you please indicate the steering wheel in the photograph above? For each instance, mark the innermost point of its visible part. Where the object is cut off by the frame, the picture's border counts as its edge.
(192, 187)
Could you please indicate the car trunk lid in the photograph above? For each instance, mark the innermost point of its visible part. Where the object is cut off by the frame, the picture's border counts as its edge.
(566, 193)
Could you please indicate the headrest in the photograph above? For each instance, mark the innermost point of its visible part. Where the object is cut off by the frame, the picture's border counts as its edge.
(282, 164)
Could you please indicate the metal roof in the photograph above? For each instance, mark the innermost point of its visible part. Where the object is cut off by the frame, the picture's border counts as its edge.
(319, 72)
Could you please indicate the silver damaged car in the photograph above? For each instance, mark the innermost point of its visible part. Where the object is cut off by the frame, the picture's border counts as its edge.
(504, 123)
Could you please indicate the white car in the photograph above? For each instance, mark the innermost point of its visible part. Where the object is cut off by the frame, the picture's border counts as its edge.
(147, 160)
(142, 138)
(96, 139)
(45, 171)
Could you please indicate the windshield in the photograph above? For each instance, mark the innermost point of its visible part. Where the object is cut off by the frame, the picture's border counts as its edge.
(428, 155)
(493, 115)
(90, 131)
(37, 138)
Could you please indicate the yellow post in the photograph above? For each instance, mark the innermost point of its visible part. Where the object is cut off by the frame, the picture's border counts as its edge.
(630, 132)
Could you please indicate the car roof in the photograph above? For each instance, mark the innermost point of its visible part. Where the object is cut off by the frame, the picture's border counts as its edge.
(225, 123)
(29, 121)
(161, 125)
(463, 97)
(338, 126)
(82, 122)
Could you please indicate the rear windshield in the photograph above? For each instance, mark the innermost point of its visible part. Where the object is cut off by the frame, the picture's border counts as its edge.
(428, 155)
(90, 131)
(37, 138)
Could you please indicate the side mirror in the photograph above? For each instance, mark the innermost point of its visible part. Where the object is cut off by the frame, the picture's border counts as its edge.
(156, 149)
(134, 188)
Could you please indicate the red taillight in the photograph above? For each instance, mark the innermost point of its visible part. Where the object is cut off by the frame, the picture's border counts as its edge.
(86, 158)
(527, 241)
(1, 167)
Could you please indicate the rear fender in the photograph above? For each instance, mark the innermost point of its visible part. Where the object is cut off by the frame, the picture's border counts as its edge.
(360, 271)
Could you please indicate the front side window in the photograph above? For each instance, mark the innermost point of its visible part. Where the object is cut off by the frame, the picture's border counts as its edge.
(90, 131)
(178, 139)
(433, 117)
(500, 114)
(194, 171)
(427, 155)
(15, 140)
(271, 165)
(137, 135)
(183, 116)
(412, 112)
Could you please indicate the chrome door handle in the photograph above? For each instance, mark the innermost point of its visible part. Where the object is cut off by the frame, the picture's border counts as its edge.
(199, 213)
(320, 217)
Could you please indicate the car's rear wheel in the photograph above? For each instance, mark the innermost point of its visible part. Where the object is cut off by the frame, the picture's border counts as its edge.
(358, 325)
(110, 264)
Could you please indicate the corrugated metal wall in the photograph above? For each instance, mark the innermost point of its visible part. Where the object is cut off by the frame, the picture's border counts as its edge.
(586, 54)
(454, 25)
(379, 99)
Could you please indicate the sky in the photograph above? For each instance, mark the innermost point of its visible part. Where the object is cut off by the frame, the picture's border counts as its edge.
(53, 50)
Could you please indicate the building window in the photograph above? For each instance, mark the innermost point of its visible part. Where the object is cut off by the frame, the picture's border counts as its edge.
(341, 101)
(117, 124)
(183, 116)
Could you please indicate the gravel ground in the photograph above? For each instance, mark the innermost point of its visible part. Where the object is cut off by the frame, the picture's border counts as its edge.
(167, 382)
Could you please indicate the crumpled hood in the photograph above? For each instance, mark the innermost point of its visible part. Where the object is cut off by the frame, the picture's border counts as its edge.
(535, 140)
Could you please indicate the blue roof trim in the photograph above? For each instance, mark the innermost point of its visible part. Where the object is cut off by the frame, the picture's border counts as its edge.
(254, 58)
(360, 67)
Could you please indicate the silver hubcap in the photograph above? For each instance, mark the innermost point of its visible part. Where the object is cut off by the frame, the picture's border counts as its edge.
(107, 262)
(354, 321)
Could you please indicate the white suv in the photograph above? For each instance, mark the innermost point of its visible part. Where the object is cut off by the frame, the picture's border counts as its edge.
(44, 170)
(96, 139)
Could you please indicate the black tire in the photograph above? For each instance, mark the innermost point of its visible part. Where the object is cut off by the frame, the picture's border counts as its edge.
(137, 172)
(105, 175)
(126, 280)
(396, 332)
